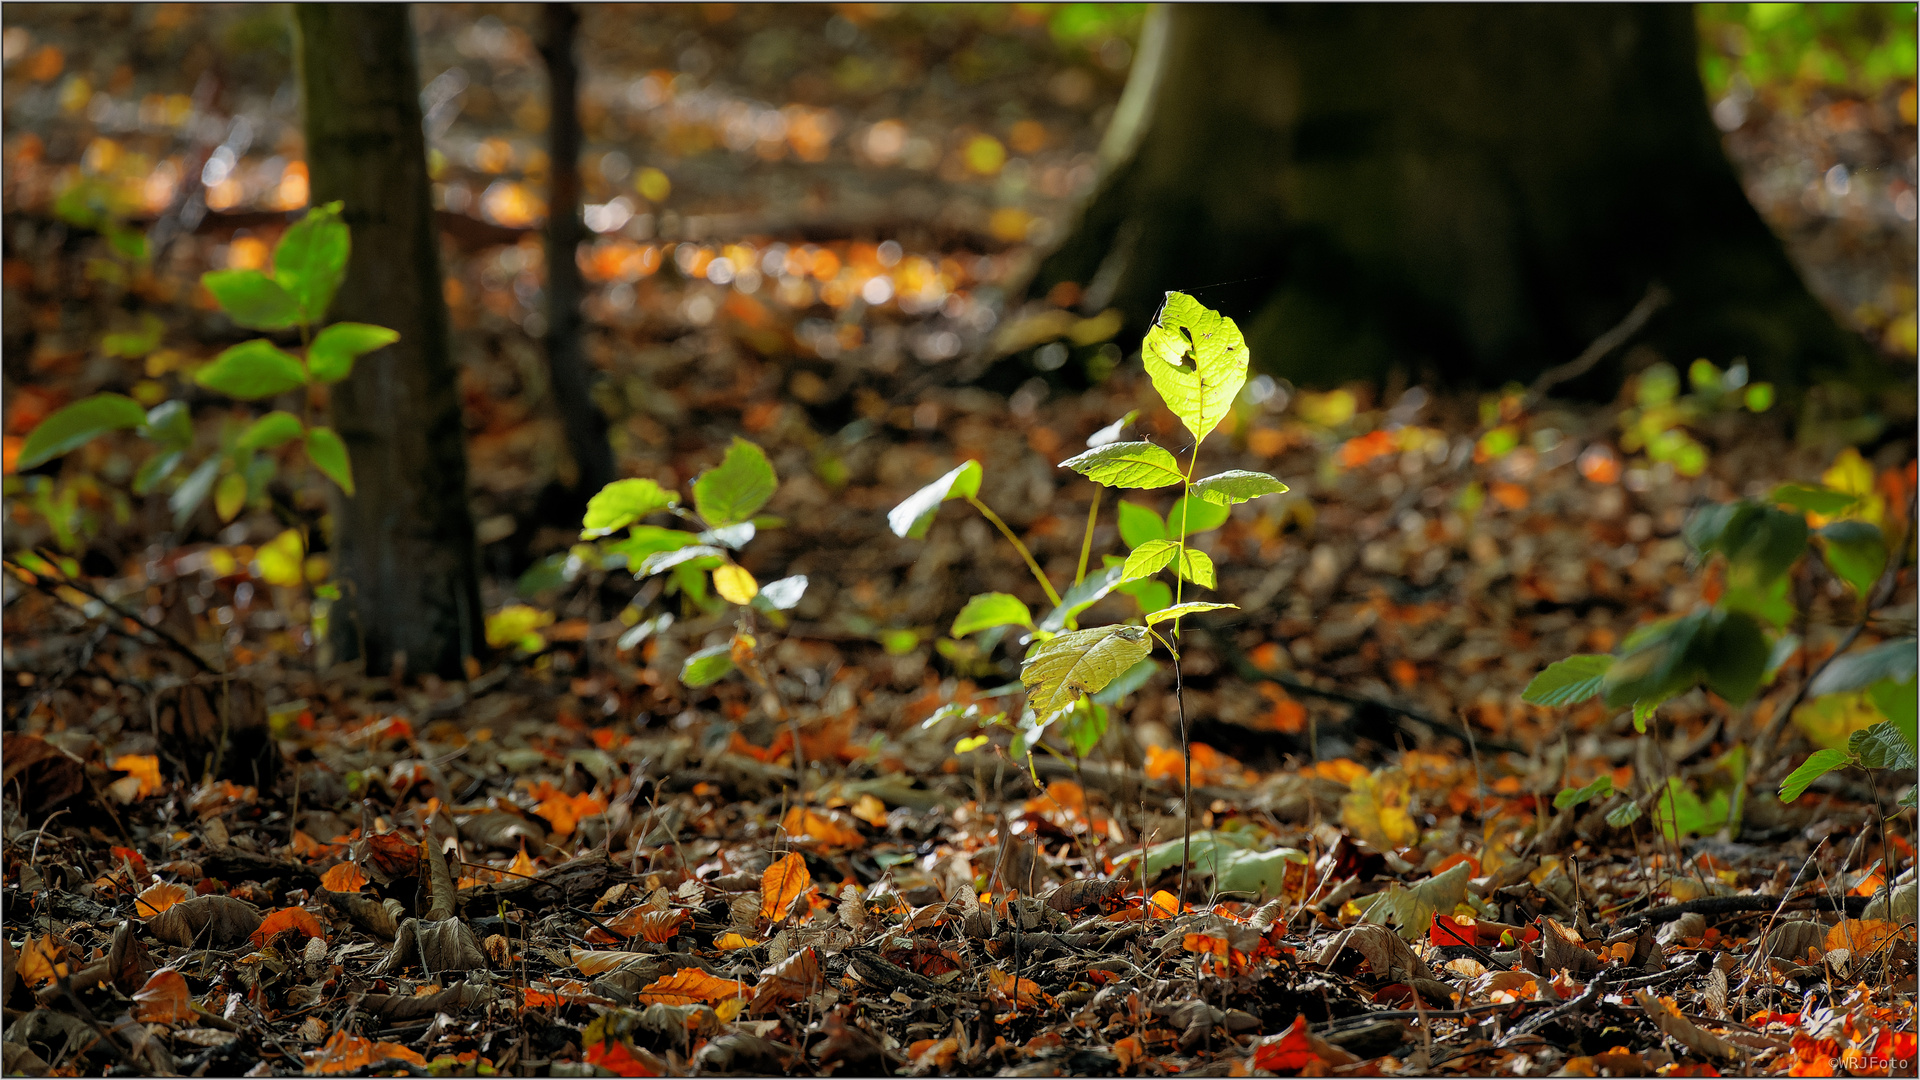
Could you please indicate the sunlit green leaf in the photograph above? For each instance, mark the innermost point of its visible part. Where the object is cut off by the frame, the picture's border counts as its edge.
(622, 503)
(330, 358)
(1624, 815)
(1199, 516)
(1819, 764)
(1883, 746)
(989, 610)
(329, 455)
(1600, 787)
(229, 495)
(699, 556)
(252, 299)
(170, 423)
(913, 516)
(1236, 486)
(1180, 611)
(274, 429)
(78, 424)
(706, 667)
(1565, 682)
(1081, 597)
(732, 490)
(310, 260)
(1127, 465)
(1813, 500)
(1080, 661)
(1197, 360)
(252, 370)
(1856, 551)
(1139, 524)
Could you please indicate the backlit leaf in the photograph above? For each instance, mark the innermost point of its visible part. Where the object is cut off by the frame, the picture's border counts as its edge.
(989, 610)
(158, 898)
(1189, 515)
(343, 878)
(229, 495)
(732, 490)
(1139, 524)
(1235, 486)
(690, 986)
(296, 919)
(310, 260)
(1197, 360)
(283, 560)
(1856, 551)
(1193, 607)
(1817, 765)
(77, 424)
(1127, 465)
(330, 358)
(734, 584)
(622, 503)
(1600, 787)
(785, 593)
(346, 1052)
(706, 667)
(1568, 681)
(252, 299)
(252, 370)
(1080, 661)
(785, 879)
(912, 517)
(329, 455)
(1814, 500)
(274, 429)
(164, 999)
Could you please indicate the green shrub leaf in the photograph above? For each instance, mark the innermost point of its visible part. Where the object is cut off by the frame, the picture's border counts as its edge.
(330, 358)
(170, 423)
(1894, 660)
(1235, 486)
(1813, 500)
(732, 490)
(706, 667)
(1139, 524)
(1819, 764)
(1181, 611)
(1883, 746)
(1199, 516)
(1601, 787)
(622, 503)
(1897, 702)
(1080, 661)
(252, 370)
(78, 424)
(311, 260)
(193, 490)
(1127, 465)
(989, 610)
(1197, 360)
(699, 556)
(1154, 555)
(914, 515)
(252, 299)
(1087, 593)
(1572, 680)
(1735, 657)
(329, 455)
(1624, 815)
(1856, 551)
(274, 429)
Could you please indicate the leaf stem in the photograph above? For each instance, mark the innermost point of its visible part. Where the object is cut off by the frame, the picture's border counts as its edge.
(1179, 689)
(988, 513)
(1086, 542)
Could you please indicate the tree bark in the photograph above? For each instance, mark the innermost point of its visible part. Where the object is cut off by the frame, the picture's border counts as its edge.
(585, 424)
(404, 541)
(1464, 192)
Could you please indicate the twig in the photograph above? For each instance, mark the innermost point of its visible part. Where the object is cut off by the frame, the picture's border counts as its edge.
(39, 582)
(1656, 298)
(1729, 905)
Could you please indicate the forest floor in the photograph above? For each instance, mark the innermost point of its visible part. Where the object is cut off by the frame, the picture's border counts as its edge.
(224, 854)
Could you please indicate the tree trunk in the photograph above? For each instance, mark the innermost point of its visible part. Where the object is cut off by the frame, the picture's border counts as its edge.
(404, 541)
(585, 424)
(1464, 192)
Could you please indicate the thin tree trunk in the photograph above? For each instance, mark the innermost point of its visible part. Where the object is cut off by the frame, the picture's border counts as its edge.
(586, 425)
(404, 542)
(1471, 192)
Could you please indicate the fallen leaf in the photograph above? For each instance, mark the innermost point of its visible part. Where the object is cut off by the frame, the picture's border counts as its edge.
(206, 922)
(1375, 810)
(689, 986)
(1299, 1052)
(349, 1053)
(293, 919)
(142, 767)
(806, 826)
(789, 980)
(1666, 1015)
(618, 1059)
(164, 999)
(729, 941)
(782, 882)
(1861, 936)
(158, 898)
(1022, 992)
(343, 878)
(42, 960)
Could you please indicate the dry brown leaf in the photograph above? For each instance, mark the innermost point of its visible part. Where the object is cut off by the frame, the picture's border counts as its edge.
(689, 986)
(164, 999)
(853, 910)
(593, 962)
(790, 980)
(217, 922)
(1666, 1015)
(1390, 957)
(785, 881)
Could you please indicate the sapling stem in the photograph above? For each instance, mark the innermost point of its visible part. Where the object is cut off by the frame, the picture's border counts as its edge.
(1179, 690)
(1038, 575)
(1086, 542)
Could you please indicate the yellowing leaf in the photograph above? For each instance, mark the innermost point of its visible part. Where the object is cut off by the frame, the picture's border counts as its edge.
(1861, 936)
(143, 767)
(786, 879)
(346, 1052)
(42, 960)
(283, 560)
(730, 941)
(516, 624)
(1080, 660)
(734, 584)
(1375, 810)
(158, 898)
(1197, 360)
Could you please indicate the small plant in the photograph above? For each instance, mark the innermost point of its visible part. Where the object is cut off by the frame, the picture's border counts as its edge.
(309, 263)
(1197, 361)
(1735, 644)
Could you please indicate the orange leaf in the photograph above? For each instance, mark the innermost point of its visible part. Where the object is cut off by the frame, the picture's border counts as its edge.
(804, 826)
(617, 1059)
(595, 962)
(560, 992)
(689, 986)
(1862, 936)
(164, 999)
(1162, 905)
(295, 919)
(158, 898)
(146, 767)
(789, 980)
(729, 941)
(783, 881)
(871, 810)
(644, 922)
(1020, 991)
(343, 878)
(393, 854)
(522, 866)
(1290, 1053)
(42, 960)
(347, 1053)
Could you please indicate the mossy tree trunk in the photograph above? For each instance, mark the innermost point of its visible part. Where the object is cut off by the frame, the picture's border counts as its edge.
(1467, 192)
(405, 552)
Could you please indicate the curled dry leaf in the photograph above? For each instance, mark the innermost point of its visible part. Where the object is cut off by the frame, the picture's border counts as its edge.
(592, 962)
(1081, 893)
(853, 910)
(790, 980)
(785, 881)
(436, 945)
(218, 922)
(164, 999)
(380, 917)
(1390, 957)
(346, 1052)
(1666, 1015)
(689, 986)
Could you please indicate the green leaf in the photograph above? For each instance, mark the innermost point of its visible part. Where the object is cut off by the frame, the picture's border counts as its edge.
(1412, 908)
(622, 503)
(1814, 500)
(252, 299)
(1624, 815)
(1235, 486)
(1197, 360)
(274, 429)
(1199, 516)
(252, 370)
(1130, 680)
(1643, 711)
(1259, 872)
(135, 344)
(1154, 556)
(330, 358)
(310, 260)
(732, 490)
(1735, 657)
(1660, 660)
(1568, 681)
(1897, 702)
(1856, 551)
(1601, 787)
(708, 666)
(1760, 542)
(1206, 850)
(1080, 661)
(193, 490)
(1139, 524)
(913, 516)
(1819, 764)
(78, 424)
(170, 423)
(647, 540)
(989, 610)
(1087, 593)
(1197, 566)
(1883, 746)
(1679, 812)
(1127, 465)
(1895, 659)
(155, 469)
(229, 495)
(329, 455)
(1086, 724)
(1180, 611)
(698, 556)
